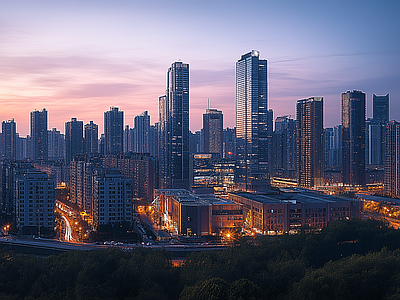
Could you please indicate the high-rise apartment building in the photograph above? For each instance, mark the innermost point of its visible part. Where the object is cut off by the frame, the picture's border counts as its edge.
(112, 198)
(154, 140)
(353, 138)
(380, 107)
(213, 121)
(56, 144)
(252, 122)
(73, 139)
(91, 139)
(310, 149)
(373, 142)
(285, 147)
(39, 134)
(174, 128)
(34, 204)
(392, 159)
(114, 131)
(142, 132)
(9, 139)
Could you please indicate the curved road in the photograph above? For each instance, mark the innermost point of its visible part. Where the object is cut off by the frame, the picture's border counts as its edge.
(68, 231)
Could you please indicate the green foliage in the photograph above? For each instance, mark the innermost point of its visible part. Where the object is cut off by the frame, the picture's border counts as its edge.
(350, 259)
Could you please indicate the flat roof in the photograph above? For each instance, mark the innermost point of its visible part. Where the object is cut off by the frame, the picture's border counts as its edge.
(294, 197)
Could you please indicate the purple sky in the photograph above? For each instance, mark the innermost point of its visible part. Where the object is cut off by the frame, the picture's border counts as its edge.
(78, 58)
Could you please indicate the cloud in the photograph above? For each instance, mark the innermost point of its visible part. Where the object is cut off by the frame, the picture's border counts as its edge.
(102, 90)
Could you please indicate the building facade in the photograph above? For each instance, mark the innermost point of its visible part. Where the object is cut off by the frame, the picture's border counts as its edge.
(310, 147)
(113, 131)
(392, 159)
(213, 121)
(38, 135)
(380, 107)
(174, 128)
(252, 172)
(91, 139)
(142, 133)
(34, 206)
(285, 150)
(112, 198)
(73, 139)
(282, 212)
(353, 138)
(9, 140)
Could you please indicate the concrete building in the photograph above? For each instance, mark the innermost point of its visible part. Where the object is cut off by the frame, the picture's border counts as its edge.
(353, 138)
(310, 148)
(113, 131)
(192, 214)
(280, 212)
(112, 198)
(91, 138)
(39, 135)
(34, 205)
(213, 121)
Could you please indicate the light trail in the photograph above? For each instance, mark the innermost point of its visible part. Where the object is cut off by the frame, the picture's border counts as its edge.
(68, 231)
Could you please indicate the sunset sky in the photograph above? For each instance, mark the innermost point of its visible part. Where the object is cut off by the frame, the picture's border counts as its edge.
(78, 58)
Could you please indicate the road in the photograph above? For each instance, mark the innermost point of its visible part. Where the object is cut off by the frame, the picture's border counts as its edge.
(68, 230)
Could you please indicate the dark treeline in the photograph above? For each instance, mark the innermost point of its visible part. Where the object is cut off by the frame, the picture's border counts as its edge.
(347, 260)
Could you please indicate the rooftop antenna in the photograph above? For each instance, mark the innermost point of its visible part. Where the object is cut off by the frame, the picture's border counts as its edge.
(208, 105)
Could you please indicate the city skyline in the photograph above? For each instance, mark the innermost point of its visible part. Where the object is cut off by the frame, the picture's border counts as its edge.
(110, 56)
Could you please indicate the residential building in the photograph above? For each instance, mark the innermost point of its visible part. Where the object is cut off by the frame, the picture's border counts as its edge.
(353, 138)
(112, 198)
(56, 144)
(310, 147)
(73, 139)
(34, 205)
(392, 159)
(91, 138)
(39, 134)
(113, 131)
(142, 133)
(213, 121)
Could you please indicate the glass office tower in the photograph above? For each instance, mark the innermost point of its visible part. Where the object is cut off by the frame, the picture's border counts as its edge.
(174, 128)
(252, 171)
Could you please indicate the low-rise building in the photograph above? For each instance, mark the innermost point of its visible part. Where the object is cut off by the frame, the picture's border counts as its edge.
(279, 212)
(194, 214)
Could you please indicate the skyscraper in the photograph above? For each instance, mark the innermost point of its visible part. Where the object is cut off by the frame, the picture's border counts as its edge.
(392, 159)
(213, 121)
(310, 148)
(73, 139)
(174, 128)
(142, 132)
(353, 137)
(9, 145)
(113, 131)
(373, 142)
(91, 138)
(252, 122)
(380, 107)
(39, 134)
